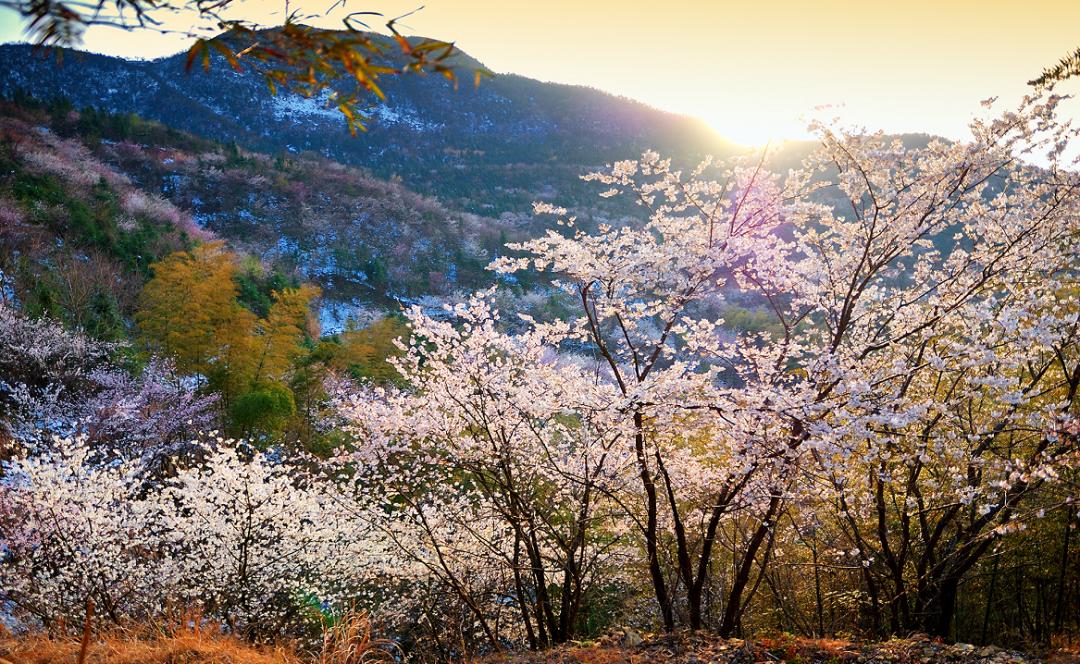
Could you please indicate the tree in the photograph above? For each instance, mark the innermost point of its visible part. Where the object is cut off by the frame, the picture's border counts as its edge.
(708, 455)
(519, 453)
(1065, 69)
(282, 332)
(248, 539)
(925, 329)
(365, 353)
(944, 358)
(345, 66)
(55, 382)
(189, 309)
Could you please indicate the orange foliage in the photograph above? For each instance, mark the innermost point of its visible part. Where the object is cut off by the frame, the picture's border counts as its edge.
(350, 640)
(190, 309)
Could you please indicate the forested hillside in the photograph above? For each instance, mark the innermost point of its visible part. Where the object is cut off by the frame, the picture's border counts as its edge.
(357, 237)
(488, 149)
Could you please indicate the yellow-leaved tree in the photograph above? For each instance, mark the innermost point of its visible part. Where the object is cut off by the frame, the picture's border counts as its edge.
(190, 311)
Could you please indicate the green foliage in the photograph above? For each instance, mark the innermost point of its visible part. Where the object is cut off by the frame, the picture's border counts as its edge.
(264, 411)
(91, 221)
(377, 274)
(258, 284)
(41, 301)
(104, 320)
(751, 320)
(365, 353)
(603, 609)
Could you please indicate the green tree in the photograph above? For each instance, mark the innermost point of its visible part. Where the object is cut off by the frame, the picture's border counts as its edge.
(365, 353)
(191, 310)
(263, 411)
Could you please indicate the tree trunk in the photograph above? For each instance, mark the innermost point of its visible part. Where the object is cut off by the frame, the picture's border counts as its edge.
(734, 608)
(1060, 605)
(651, 527)
(939, 609)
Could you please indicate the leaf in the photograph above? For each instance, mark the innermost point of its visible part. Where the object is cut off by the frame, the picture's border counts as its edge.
(481, 74)
(227, 52)
(199, 46)
(404, 43)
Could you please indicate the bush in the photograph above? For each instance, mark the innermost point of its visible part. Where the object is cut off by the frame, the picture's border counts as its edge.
(265, 410)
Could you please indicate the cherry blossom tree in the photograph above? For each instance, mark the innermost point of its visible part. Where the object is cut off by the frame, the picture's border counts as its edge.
(928, 332)
(254, 540)
(257, 540)
(940, 349)
(501, 458)
(706, 446)
(73, 528)
(55, 381)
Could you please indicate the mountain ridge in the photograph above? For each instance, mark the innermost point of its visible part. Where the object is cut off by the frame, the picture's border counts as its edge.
(487, 150)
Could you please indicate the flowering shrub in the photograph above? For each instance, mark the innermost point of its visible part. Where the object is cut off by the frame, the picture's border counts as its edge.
(242, 537)
(69, 160)
(256, 540)
(161, 211)
(44, 369)
(75, 527)
(57, 382)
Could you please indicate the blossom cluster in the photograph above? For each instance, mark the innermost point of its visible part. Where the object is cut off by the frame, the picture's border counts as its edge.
(243, 537)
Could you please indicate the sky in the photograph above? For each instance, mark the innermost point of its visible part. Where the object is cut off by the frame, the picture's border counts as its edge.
(755, 70)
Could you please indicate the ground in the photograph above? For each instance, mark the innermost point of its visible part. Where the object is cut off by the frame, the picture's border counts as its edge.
(627, 647)
(622, 647)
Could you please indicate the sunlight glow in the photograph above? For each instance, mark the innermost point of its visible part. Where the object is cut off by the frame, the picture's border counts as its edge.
(755, 130)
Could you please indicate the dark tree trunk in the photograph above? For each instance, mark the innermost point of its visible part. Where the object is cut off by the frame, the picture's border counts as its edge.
(651, 527)
(735, 604)
(1060, 604)
(940, 608)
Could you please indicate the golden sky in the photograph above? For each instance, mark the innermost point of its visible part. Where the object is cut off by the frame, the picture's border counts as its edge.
(752, 68)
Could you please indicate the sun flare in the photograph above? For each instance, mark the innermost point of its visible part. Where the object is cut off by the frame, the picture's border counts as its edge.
(756, 130)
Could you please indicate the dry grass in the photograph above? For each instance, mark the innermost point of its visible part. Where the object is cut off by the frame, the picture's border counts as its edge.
(350, 640)
(124, 648)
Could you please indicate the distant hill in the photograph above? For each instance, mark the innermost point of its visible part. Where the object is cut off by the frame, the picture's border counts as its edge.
(488, 150)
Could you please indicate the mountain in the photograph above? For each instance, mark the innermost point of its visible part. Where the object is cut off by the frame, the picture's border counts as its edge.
(416, 206)
(489, 149)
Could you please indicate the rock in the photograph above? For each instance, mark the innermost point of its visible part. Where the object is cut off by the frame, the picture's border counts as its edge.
(631, 638)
